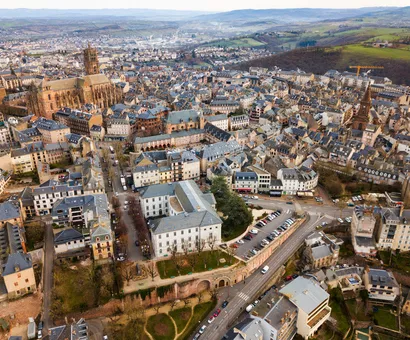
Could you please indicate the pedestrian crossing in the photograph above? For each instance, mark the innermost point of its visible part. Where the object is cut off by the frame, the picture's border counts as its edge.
(243, 296)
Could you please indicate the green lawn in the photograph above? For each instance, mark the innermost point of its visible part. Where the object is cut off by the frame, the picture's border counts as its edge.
(181, 317)
(337, 313)
(200, 312)
(405, 322)
(160, 327)
(360, 315)
(206, 260)
(234, 43)
(384, 318)
(382, 53)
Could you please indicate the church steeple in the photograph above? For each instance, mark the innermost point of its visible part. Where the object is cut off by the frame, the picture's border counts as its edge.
(91, 60)
(361, 119)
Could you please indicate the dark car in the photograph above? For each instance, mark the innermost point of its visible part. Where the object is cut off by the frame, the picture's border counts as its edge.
(224, 304)
(137, 243)
(247, 237)
(294, 276)
(40, 325)
(270, 237)
(289, 202)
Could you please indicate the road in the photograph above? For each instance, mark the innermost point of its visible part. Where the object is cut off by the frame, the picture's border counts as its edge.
(47, 272)
(243, 293)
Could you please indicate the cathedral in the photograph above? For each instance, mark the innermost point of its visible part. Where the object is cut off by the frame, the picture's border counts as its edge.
(94, 88)
(362, 117)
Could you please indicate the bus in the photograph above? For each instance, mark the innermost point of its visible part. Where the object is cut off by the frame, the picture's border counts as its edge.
(111, 149)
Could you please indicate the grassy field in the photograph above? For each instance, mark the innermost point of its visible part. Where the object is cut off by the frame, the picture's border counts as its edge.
(200, 312)
(181, 317)
(384, 318)
(206, 260)
(235, 43)
(382, 53)
(160, 327)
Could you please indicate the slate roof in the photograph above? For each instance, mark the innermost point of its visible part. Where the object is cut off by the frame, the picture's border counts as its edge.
(67, 235)
(8, 211)
(17, 260)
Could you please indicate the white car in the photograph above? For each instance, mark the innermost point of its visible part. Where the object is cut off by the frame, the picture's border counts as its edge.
(121, 258)
(202, 329)
(340, 220)
(116, 193)
(254, 231)
(125, 202)
(240, 242)
(255, 197)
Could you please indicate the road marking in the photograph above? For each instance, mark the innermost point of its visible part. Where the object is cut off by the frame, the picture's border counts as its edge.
(243, 296)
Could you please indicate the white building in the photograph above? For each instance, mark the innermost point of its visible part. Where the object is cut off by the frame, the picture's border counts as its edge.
(381, 285)
(312, 303)
(238, 122)
(191, 219)
(394, 232)
(68, 240)
(363, 223)
(118, 127)
(220, 121)
(294, 180)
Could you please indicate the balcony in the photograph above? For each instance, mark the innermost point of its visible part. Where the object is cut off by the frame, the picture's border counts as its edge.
(320, 317)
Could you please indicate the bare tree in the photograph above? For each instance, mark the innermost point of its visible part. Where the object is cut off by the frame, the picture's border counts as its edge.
(187, 302)
(173, 249)
(214, 293)
(173, 304)
(156, 308)
(150, 267)
(127, 274)
(212, 242)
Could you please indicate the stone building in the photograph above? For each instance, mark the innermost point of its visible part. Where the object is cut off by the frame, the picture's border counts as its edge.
(91, 61)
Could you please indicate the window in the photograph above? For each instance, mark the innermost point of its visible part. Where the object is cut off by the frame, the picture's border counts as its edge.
(175, 233)
(160, 244)
(26, 280)
(16, 284)
(182, 232)
(159, 236)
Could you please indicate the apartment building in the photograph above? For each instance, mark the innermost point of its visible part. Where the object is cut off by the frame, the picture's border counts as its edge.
(50, 130)
(381, 285)
(224, 105)
(4, 179)
(25, 159)
(245, 182)
(238, 122)
(312, 303)
(394, 231)
(5, 138)
(220, 121)
(263, 176)
(163, 167)
(79, 122)
(68, 240)
(190, 217)
(118, 127)
(214, 152)
(51, 191)
(298, 179)
(362, 231)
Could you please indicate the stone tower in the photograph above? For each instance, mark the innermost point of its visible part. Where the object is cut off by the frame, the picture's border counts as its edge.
(91, 60)
(361, 119)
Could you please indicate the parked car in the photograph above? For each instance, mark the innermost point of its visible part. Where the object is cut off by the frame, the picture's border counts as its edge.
(234, 245)
(196, 336)
(202, 329)
(289, 202)
(217, 312)
(137, 243)
(240, 242)
(223, 246)
(224, 304)
(255, 197)
(288, 278)
(211, 319)
(254, 231)
(340, 220)
(249, 308)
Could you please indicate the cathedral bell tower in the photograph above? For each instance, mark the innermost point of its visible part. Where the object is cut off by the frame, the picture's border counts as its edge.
(361, 119)
(91, 61)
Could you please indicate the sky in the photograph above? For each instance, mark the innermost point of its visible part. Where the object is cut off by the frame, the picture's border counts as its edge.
(204, 5)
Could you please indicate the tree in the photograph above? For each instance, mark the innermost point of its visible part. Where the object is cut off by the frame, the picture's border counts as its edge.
(200, 296)
(127, 274)
(212, 242)
(156, 308)
(174, 304)
(150, 267)
(187, 302)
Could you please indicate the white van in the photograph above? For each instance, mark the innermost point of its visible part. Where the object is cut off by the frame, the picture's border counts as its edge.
(265, 269)
(249, 308)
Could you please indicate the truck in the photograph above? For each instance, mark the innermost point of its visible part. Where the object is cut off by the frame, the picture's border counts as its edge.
(31, 330)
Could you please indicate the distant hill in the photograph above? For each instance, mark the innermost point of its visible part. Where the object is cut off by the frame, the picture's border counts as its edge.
(141, 14)
(320, 60)
(292, 15)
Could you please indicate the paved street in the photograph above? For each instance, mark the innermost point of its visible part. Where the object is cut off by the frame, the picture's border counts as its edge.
(47, 272)
(243, 293)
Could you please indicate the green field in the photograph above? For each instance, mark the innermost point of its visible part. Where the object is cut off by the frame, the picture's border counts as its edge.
(374, 52)
(235, 43)
(160, 327)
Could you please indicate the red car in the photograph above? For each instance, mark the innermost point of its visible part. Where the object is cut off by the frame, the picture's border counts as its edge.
(234, 245)
(217, 312)
(288, 278)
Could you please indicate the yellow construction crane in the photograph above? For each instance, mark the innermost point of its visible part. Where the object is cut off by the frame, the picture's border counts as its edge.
(369, 67)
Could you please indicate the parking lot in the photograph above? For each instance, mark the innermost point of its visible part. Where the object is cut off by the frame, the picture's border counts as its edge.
(244, 249)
